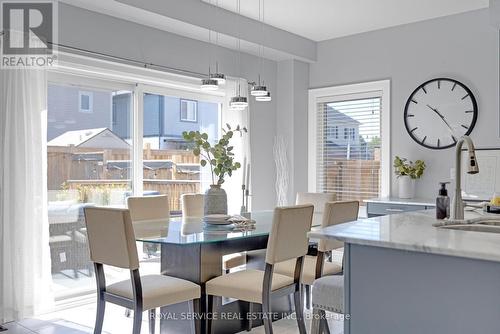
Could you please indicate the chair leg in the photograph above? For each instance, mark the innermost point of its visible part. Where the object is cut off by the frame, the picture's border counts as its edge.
(316, 321)
(152, 322)
(324, 323)
(137, 322)
(210, 313)
(195, 309)
(99, 318)
(308, 296)
(266, 314)
(299, 312)
(249, 317)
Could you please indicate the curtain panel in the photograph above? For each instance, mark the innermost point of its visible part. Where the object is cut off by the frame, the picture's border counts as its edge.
(24, 234)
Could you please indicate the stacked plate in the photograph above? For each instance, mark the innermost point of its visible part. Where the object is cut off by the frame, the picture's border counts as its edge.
(217, 219)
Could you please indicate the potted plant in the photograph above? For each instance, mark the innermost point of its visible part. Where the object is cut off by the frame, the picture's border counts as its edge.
(407, 172)
(220, 157)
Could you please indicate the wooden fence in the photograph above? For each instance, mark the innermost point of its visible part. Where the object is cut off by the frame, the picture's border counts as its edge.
(352, 179)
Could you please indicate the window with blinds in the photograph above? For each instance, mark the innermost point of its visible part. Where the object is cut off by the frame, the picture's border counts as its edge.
(348, 147)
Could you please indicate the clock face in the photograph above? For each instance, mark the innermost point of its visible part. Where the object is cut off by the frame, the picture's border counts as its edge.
(439, 112)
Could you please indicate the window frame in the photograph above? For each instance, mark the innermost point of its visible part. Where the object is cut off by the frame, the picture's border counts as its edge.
(195, 120)
(381, 89)
(90, 95)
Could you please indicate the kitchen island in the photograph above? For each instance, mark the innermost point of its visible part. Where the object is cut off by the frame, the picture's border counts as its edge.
(405, 275)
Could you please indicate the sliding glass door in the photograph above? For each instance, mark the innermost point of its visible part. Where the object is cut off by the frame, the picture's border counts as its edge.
(89, 156)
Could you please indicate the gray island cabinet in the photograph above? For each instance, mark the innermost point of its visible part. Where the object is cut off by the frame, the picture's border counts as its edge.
(405, 276)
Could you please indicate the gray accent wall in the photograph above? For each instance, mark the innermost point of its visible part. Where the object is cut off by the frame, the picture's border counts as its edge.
(122, 38)
(464, 47)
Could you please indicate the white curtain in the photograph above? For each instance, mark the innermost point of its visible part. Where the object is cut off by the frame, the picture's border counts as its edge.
(241, 144)
(24, 249)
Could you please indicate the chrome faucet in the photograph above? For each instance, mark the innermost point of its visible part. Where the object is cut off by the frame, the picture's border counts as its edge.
(457, 204)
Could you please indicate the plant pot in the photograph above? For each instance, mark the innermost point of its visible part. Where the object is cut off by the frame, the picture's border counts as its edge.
(406, 187)
(215, 200)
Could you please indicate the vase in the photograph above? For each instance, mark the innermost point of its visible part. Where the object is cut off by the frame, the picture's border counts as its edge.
(406, 187)
(215, 200)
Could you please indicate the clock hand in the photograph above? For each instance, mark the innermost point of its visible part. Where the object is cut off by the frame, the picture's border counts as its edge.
(442, 118)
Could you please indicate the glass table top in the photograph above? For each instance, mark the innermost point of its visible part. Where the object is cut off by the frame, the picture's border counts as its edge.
(192, 230)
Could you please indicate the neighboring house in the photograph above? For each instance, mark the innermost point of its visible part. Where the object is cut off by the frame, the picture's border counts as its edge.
(70, 108)
(165, 117)
(90, 138)
(343, 139)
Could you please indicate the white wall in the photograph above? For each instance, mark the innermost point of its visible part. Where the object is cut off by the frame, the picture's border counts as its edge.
(464, 47)
(96, 32)
(291, 121)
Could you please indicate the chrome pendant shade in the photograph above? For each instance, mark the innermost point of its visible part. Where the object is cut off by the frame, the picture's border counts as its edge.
(209, 84)
(238, 102)
(258, 90)
(219, 77)
(265, 98)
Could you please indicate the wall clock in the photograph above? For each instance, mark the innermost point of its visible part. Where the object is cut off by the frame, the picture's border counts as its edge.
(439, 112)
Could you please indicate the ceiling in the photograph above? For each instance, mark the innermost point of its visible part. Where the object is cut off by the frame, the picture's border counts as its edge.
(320, 20)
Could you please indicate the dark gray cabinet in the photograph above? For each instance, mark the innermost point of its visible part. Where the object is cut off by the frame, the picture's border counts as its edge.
(382, 207)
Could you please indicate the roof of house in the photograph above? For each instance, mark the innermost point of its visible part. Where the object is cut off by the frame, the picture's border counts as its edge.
(94, 138)
(335, 115)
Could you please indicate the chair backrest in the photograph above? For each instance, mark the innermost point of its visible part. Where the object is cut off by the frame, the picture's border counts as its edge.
(337, 213)
(318, 200)
(149, 208)
(111, 237)
(288, 237)
(192, 205)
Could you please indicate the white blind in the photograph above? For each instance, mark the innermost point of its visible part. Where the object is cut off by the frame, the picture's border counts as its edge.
(349, 146)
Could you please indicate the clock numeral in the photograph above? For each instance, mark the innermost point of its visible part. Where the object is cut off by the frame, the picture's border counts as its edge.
(410, 115)
(414, 101)
(439, 143)
(423, 140)
(454, 139)
(454, 85)
(465, 127)
(469, 111)
(463, 98)
(439, 84)
(423, 88)
(412, 130)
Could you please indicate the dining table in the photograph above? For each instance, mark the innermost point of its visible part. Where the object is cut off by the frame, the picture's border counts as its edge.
(193, 250)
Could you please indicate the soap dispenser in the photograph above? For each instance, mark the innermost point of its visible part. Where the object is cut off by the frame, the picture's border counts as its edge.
(443, 202)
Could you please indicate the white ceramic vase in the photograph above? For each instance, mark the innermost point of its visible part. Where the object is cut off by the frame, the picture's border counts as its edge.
(406, 187)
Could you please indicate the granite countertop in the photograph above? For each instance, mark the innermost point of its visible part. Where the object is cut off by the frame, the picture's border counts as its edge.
(403, 201)
(415, 231)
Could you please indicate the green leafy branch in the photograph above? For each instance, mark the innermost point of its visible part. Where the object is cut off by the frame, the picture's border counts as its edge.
(403, 167)
(220, 155)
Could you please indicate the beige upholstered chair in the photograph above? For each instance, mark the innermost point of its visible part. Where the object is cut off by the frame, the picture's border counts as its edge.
(149, 208)
(287, 241)
(192, 206)
(316, 266)
(318, 200)
(111, 241)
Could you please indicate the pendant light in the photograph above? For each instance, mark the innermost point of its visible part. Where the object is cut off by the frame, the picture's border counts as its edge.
(239, 102)
(265, 98)
(260, 90)
(218, 76)
(209, 83)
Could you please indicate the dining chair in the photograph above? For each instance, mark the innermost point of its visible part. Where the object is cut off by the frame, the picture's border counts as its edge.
(192, 206)
(327, 295)
(317, 266)
(111, 242)
(146, 209)
(318, 200)
(287, 241)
